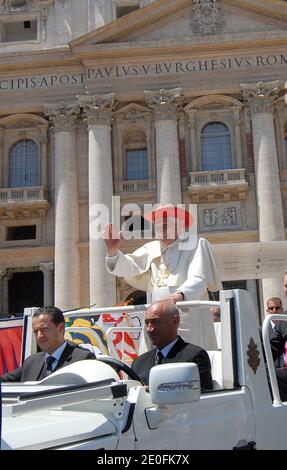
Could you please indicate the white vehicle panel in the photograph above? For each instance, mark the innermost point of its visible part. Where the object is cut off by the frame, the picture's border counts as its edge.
(56, 426)
(220, 420)
(86, 406)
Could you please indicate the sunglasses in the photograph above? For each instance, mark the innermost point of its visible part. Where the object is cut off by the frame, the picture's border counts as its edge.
(274, 308)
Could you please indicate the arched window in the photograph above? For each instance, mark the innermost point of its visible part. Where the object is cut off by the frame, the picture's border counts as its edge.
(216, 147)
(136, 164)
(24, 164)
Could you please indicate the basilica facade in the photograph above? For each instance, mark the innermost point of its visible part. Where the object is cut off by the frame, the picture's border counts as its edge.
(122, 104)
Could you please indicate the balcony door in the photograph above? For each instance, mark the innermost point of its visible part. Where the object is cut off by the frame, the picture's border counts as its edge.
(216, 147)
(24, 164)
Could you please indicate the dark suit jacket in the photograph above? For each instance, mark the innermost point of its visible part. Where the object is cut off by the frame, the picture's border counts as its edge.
(279, 360)
(270, 332)
(180, 352)
(278, 339)
(32, 367)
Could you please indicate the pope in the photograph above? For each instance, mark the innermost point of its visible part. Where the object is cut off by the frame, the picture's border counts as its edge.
(170, 267)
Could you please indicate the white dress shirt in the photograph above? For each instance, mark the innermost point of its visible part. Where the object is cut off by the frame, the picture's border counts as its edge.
(56, 354)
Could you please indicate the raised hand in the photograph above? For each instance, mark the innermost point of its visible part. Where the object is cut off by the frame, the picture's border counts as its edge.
(112, 239)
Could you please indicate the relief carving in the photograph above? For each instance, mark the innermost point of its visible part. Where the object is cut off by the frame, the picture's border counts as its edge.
(14, 6)
(229, 216)
(210, 217)
(24, 124)
(134, 116)
(207, 18)
(220, 218)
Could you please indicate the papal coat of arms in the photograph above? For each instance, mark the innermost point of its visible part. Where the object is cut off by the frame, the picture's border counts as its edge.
(207, 17)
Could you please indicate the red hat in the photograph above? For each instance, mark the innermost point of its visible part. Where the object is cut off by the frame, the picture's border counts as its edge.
(164, 211)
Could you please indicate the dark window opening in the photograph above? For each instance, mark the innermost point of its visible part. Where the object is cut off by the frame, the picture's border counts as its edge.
(25, 290)
(214, 296)
(18, 3)
(25, 232)
(19, 31)
(123, 11)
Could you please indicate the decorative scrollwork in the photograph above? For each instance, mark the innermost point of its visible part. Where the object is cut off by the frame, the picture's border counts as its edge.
(207, 18)
(253, 355)
(260, 96)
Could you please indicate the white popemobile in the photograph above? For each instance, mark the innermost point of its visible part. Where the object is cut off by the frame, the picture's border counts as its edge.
(86, 405)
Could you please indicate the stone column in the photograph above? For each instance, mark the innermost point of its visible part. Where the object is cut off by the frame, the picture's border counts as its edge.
(44, 161)
(1, 157)
(192, 124)
(3, 272)
(165, 104)
(98, 110)
(237, 132)
(67, 261)
(252, 289)
(47, 270)
(6, 276)
(260, 98)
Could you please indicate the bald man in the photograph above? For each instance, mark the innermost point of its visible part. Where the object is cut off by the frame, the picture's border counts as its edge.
(162, 321)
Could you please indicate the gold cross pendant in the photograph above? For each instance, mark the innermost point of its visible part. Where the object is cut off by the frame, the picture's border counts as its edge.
(162, 275)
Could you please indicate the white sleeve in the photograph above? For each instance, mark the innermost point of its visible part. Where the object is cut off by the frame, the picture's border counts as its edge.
(133, 264)
(111, 262)
(193, 288)
(127, 265)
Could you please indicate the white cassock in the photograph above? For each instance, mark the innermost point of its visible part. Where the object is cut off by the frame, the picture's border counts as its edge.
(160, 270)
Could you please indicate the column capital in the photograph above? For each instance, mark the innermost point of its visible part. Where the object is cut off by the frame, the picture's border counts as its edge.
(3, 271)
(98, 109)
(5, 274)
(165, 103)
(62, 116)
(46, 267)
(260, 96)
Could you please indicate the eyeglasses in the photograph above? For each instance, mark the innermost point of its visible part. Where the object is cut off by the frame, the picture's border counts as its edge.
(275, 307)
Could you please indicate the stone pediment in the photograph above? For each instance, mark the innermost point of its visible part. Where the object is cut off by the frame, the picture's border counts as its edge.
(192, 21)
(133, 113)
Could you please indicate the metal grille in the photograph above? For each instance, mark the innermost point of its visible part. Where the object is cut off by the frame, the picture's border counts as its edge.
(137, 164)
(24, 164)
(216, 147)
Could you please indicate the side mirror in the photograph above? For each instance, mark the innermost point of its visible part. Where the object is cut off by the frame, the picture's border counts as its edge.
(171, 384)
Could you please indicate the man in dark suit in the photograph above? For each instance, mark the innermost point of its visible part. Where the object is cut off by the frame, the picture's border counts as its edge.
(162, 321)
(48, 324)
(278, 340)
(273, 305)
